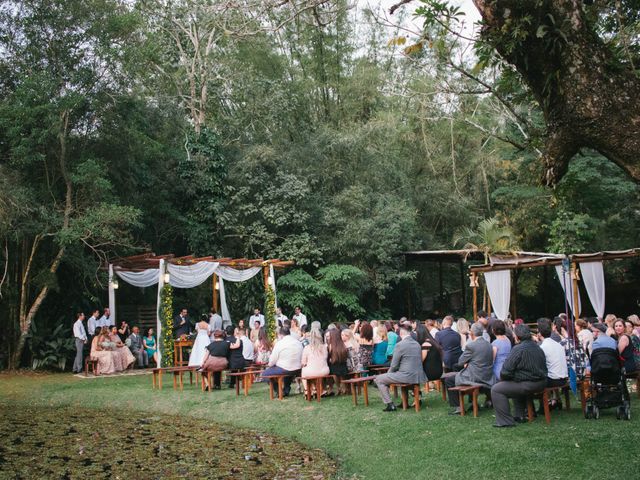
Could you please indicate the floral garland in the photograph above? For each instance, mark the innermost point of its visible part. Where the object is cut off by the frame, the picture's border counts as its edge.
(270, 312)
(166, 316)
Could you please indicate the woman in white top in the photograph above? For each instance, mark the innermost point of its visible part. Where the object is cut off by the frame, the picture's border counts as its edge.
(200, 344)
(585, 336)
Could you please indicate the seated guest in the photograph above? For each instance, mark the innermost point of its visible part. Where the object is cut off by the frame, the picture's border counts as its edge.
(380, 347)
(124, 331)
(247, 347)
(352, 346)
(136, 346)
(262, 348)
(365, 350)
(477, 367)
(625, 346)
(450, 343)
(314, 357)
(585, 335)
(124, 358)
(601, 339)
(102, 350)
(501, 347)
(608, 321)
(392, 338)
(406, 366)
(556, 328)
(236, 358)
(523, 373)
(432, 358)
(431, 325)
(285, 359)
(338, 356)
(216, 358)
(463, 330)
(151, 346)
(554, 352)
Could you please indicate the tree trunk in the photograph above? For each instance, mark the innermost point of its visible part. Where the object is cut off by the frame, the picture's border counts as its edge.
(589, 98)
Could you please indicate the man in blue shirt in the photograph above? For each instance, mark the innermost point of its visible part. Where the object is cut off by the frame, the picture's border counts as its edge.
(602, 340)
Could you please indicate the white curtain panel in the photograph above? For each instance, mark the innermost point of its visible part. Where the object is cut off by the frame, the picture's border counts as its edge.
(593, 277)
(160, 279)
(233, 275)
(189, 276)
(146, 278)
(499, 288)
(272, 274)
(112, 296)
(565, 279)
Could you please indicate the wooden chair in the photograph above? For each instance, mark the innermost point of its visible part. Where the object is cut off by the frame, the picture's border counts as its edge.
(318, 382)
(89, 362)
(276, 380)
(544, 396)
(464, 390)
(355, 384)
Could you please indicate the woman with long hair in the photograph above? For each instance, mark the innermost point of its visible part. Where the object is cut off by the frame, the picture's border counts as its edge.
(432, 355)
(625, 347)
(365, 352)
(262, 347)
(338, 356)
(352, 346)
(314, 357)
(380, 344)
(102, 350)
(151, 346)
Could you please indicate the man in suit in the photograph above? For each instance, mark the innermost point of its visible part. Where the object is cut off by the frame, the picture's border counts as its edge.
(137, 347)
(182, 323)
(450, 343)
(477, 366)
(406, 366)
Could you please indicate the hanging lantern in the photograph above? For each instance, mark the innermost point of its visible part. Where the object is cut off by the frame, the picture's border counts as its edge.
(167, 277)
(473, 282)
(115, 285)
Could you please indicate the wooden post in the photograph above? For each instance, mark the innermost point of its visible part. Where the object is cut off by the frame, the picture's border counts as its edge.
(514, 294)
(474, 278)
(265, 275)
(440, 283)
(488, 298)
(214, 305)
(574, 279)
(545, 296)
(463, 288)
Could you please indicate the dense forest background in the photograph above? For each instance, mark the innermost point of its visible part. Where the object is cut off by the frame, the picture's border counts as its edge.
(317, 133)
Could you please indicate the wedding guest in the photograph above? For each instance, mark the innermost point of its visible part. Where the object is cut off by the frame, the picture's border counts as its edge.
(523, 373)
(256, 317)
(247, 347)
(295, 329)
(314, 358)
(105, 320)
(365, 351)
(380, 346)
(600, 337)
(406, 366)
(338, 356)
(262, 348)
(392, 339)
(216, 359)
(585, 336)
(182, 324)
(300, 317)
(483, 319)
(151, 346)
(609, 321)
(432, 354)
(285, 359)
(255, 331)
(215, 321)
(136, 346)
(236, 358)
(463, 330)
(625, 347)
(352, 346)
(450, 343)
(126, 358)
(280, 317)
(92, 324)
(431, 326)
(102, 350)
(124, 331)
(80, 336)
(557, 371)
(501, 347)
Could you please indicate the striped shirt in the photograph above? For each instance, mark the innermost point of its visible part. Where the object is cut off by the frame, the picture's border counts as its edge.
(525, 363)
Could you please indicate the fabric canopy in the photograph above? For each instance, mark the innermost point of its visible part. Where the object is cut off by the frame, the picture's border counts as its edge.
(189, 276)
(142, 279)
(593, 277)
(499, 288)
(233, 275)
(567, 286)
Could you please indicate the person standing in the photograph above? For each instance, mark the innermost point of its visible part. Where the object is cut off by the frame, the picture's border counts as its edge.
(92, 323)
(105, 320)
(80, 336)
(256, 317)
(182, 323)
(280, 317)
(137, 347)
(406, 366)
(300, 317)
(215, 322)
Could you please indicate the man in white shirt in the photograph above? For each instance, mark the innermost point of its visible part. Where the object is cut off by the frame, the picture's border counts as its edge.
(92, 323)
(280, 317)
(257, 316)
(247, 346)
(285, 358)
(80, 336)
(105, 320)
(300, 317)
(557, 371)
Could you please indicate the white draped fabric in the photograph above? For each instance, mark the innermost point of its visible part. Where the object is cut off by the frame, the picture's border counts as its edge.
(160, 274)
(272, 274)
(233, 275)
(142, 279)
(112, 296)
(499, 288)
(224, 309)
(189, 276)
(565, 279)
(593, 277)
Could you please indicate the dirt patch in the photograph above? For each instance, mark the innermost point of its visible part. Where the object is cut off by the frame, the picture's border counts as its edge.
(76, 443)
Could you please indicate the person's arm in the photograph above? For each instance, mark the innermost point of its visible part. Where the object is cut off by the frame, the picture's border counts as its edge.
(495, 353)
(466, 355)
(623, 343)
(510, 365)
(235, 345)
(395, 360)
(305, 357)
(425, 350)
(273, 358)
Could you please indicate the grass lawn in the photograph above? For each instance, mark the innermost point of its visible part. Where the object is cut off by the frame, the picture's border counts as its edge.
(367, 443)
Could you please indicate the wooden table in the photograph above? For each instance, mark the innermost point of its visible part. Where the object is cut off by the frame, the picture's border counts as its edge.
(355, 384)
(178, 373)
(178, 345)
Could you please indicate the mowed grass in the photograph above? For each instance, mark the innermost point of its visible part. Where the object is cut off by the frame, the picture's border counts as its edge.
(367, 443)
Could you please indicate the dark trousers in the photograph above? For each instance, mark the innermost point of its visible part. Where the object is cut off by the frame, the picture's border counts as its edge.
(450, 381)
(281, 371)
(519, 391)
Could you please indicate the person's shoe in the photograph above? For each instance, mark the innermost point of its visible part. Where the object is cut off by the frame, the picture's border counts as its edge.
(520, 420)
(390, 408)
(457, 411)
(503, 426)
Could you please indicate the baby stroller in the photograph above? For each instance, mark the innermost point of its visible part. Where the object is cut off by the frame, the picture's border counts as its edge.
(608, 385)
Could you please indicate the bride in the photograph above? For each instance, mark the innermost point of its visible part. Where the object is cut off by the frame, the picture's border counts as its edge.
(200, 345)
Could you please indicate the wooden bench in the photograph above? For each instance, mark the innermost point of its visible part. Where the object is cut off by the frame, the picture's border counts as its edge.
(357, 383)
(178, 373)
(244, 377)
(464, 390)
(404, 391)
(88, 361)
(439, 386)
(318, 382)
(544, 395)
(278, 380)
